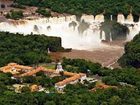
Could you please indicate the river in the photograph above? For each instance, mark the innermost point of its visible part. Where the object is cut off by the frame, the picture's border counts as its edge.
(83, 35)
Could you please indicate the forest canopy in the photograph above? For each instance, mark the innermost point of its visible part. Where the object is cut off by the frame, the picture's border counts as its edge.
(131, 57)
(87, 6)
(29, 49)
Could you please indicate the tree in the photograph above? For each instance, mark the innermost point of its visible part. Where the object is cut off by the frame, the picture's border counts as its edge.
(15, 15)
(131, 57)
(50, 103)
(115, 100)
(25, 89)
(28, 79)
(44, 12)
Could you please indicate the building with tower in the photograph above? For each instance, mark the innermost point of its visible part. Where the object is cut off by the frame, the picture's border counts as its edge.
(59, 67)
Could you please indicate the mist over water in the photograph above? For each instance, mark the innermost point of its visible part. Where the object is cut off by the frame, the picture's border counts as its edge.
(81, 35)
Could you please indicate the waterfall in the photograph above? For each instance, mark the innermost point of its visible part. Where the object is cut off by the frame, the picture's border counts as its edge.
(133, 30)
(99, 18)
(103, 37)
(130, 18)
(120, 18)
(87, 18)
(67, 27)
(110, 37)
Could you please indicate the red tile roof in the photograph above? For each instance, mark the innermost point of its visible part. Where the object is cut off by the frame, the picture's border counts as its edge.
(72, 76)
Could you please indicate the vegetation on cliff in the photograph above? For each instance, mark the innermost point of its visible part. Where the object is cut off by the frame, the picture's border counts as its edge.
(15, 14)
(131, 57)
(114, 30)
(30, 49)
(44, 12)
(79, 7)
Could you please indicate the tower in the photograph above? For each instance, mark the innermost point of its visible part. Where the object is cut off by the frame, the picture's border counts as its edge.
(48, 50)
(59, 67)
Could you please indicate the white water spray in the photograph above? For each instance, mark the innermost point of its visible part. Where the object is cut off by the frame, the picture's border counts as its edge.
(59, 26)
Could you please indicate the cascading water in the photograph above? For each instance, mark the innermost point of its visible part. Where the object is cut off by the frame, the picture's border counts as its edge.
(83, 34)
